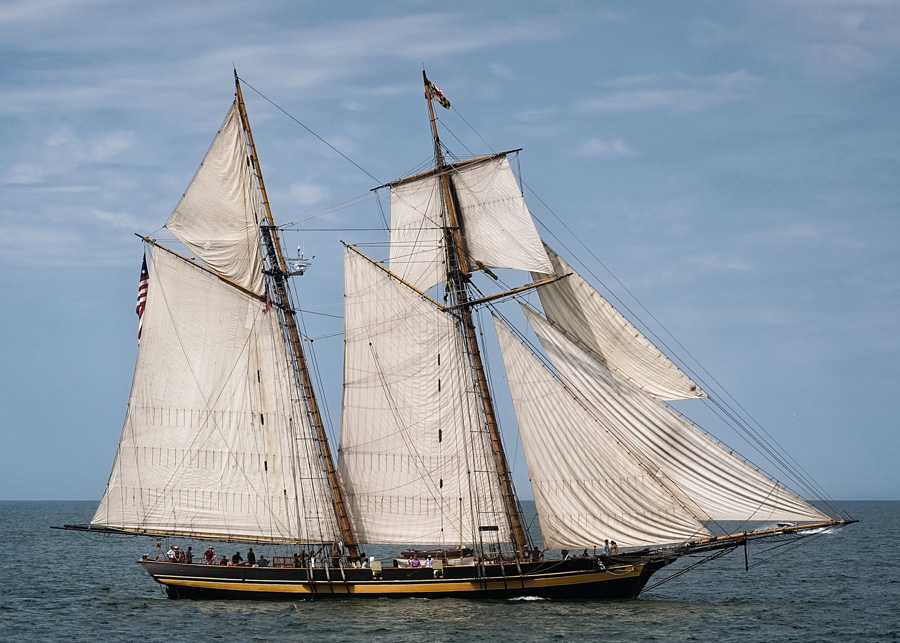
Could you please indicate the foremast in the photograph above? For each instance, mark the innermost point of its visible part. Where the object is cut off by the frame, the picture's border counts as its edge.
(279, 279)
(458, 275)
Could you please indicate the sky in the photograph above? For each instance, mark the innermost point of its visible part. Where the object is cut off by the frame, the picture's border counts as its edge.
(730, 171)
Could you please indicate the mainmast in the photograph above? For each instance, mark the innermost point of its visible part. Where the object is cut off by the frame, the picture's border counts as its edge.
(458, 276)
(279, 278)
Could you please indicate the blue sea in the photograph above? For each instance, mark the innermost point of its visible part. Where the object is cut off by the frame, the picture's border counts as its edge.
(843, 586)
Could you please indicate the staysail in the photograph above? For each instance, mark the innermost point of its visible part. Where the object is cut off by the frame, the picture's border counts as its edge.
(620, 428)
(585, 488)
(215, 441)
(412, 447)
(575, 306)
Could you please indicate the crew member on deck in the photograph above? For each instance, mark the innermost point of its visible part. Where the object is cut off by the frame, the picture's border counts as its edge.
(237, 559)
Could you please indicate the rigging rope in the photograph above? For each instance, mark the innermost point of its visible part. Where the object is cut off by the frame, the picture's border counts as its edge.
(702, 561)
(724, 406)
(758, 437)
(322, 140)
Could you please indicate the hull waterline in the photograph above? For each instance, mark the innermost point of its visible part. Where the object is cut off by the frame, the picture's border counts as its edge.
(571, 579)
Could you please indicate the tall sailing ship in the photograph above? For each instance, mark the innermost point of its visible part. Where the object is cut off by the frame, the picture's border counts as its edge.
(224, 441)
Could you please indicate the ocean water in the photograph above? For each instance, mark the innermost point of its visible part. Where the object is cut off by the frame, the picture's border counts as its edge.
(844, 586)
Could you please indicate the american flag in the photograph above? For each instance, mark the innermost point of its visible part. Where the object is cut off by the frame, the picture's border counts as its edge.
(142, 295)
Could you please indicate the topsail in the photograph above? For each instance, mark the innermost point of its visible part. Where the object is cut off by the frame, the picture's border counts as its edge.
(219, 216)
(497, 227)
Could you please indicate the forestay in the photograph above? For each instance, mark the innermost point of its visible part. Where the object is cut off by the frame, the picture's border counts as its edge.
(215, 441)
(414, 453)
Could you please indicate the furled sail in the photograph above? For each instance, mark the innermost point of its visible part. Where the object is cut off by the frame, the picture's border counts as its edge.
(575, 306)
(709, 479)
(497, 228)
(216, 441)
(586, 488)
(219, 215)
(414, 453)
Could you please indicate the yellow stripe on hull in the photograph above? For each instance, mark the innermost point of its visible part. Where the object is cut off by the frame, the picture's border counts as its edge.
(401, 587)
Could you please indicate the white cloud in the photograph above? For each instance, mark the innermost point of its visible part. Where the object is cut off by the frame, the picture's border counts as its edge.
(23, 173)
(62, 153)
(535, 115)
(117, 219)
(20, 241)
(677, 91)
(308, 193)
(503, 72)
(597, 147)
(804, 234)
(108, 146)
(713, 262)
(825, 38)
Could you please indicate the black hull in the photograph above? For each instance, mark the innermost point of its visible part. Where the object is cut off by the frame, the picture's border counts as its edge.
(582, 579)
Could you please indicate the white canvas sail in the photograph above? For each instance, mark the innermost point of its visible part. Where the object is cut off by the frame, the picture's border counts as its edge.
(497, 228)
(414, 455)
(575, 306)
(709, 479)
(417, 235)
(219, 215)
(586, 487)
(215, 441)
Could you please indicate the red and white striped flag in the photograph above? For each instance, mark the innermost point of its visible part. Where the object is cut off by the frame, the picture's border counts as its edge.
(142, 295)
